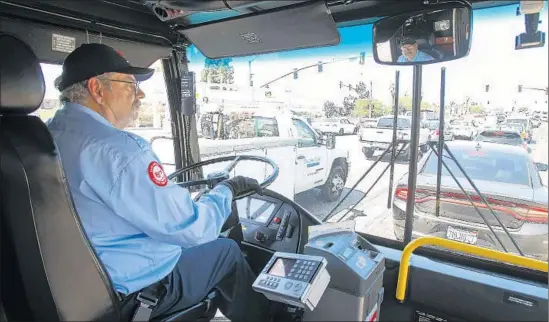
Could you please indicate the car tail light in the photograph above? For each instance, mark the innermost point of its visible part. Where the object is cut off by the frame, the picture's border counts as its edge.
(519, 211)
(401, 193)
(436, 132)
(537, 214)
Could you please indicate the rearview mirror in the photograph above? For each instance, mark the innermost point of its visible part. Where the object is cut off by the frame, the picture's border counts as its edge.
(330, 141)
(423, 37)
(541, 166)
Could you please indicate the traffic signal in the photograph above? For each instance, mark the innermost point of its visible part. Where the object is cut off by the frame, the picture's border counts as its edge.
(487, 88)
(295, 73)
(520, 88)
(320, 67)
(340, 84)
(362, 58)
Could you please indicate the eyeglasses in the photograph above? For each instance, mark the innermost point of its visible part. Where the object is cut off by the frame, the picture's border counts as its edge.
(136, 84)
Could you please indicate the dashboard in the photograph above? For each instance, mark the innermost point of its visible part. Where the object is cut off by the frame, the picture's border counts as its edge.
(269, 223)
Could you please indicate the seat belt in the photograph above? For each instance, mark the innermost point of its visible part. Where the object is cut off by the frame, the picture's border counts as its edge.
(148, 299)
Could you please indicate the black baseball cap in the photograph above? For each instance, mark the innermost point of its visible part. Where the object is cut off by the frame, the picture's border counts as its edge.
(407, 41)
(90, 60)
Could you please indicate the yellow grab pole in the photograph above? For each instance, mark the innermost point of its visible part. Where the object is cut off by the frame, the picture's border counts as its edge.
(460, 247)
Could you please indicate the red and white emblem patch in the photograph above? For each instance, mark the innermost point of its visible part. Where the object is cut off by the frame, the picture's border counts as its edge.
(157, 174)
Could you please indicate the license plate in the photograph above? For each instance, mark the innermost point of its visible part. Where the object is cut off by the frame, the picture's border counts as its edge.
(464, 236)
(378, 153)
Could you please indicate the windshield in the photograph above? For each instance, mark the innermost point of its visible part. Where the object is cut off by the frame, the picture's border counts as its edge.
(433, 125)
(244, 106)
(388, 123)
(461, 123)
(484, 164)
(501, 137)
(523, 122)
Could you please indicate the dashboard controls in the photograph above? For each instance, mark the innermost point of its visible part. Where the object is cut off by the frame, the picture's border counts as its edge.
(290, 231)
(283, 226)
(261, 237)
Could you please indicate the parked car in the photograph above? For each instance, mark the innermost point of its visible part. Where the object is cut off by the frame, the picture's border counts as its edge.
(434, 135)
(509, 137)
(463, 129)
(337, 126)
(506, 176)
(526, 125)
(376, 140)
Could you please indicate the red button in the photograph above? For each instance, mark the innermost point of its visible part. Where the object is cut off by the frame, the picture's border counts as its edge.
(276, 220)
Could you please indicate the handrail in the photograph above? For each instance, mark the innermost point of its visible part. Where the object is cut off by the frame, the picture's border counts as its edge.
(461, 247)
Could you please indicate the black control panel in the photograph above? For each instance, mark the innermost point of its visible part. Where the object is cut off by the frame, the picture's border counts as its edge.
(269, 223)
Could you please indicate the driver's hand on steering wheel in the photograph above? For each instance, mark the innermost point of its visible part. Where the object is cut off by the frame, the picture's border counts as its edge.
(240, 185)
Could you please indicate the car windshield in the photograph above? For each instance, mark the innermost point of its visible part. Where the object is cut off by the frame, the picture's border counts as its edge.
(433, 125)
(484, 164)
(246, 105)
(461, 123)
(522, 122)
(500, 137)
(389, 122)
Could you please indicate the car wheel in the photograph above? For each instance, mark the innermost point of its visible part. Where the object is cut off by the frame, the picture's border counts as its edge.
(333, 188)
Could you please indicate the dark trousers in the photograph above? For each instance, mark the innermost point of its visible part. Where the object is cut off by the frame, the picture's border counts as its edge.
(219, 265)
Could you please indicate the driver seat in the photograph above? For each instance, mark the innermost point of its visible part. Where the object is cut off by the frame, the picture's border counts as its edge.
(49, 270)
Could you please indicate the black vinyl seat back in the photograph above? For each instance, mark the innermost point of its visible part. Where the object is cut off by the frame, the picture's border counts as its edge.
(47, 260)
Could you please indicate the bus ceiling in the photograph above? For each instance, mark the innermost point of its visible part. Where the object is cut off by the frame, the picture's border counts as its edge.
(146, 30)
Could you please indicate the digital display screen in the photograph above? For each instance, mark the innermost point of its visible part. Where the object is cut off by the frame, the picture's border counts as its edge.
(255, 209)
(282, 267)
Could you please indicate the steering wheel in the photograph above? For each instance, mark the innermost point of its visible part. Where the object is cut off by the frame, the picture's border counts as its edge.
(214, 178)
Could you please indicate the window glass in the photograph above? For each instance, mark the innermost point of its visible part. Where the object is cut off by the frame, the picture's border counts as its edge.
(305, 135)
(484, 165)
(501, 137)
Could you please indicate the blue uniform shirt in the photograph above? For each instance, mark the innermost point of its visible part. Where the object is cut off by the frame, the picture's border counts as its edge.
(420, 56)
(137, 220)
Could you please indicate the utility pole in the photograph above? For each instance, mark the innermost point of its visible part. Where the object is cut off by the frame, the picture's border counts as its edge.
(371, 105)
(250, 77)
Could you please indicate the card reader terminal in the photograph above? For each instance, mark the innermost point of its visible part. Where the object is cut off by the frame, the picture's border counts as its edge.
(294, 279)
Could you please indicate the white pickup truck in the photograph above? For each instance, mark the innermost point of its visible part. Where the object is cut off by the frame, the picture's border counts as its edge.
(305, 160)
(376, 140)
(338, 126)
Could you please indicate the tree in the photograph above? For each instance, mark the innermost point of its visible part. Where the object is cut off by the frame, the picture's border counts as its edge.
(362, 90)
(405, 103)
(348, 105)
(477, 109)
(362, 108)
(330, 109)
(218, 71)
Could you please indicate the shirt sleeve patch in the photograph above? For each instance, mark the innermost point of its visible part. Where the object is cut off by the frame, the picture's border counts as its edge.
(157, 174)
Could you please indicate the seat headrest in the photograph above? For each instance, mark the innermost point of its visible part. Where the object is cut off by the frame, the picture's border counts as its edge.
(22, 85)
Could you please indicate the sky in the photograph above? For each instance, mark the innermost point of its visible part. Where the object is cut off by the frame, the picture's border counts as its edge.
(492, 60)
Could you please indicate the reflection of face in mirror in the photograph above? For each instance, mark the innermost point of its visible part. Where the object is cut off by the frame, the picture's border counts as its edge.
(410, 52)
(425, 37)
